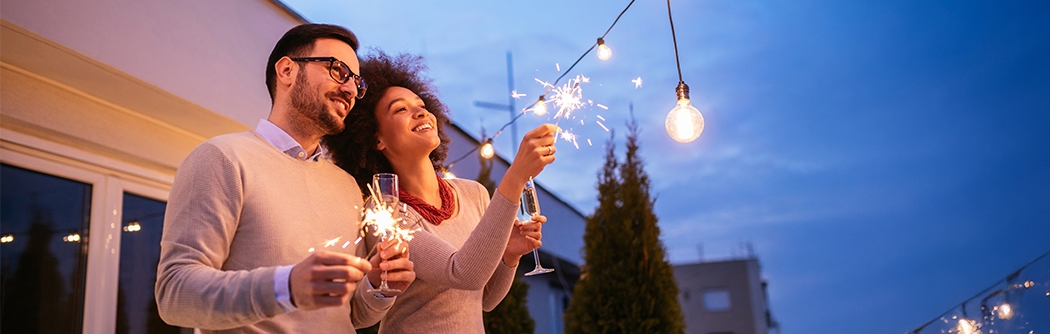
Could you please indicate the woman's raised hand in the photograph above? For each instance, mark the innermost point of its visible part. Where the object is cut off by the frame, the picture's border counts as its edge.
(536, 152)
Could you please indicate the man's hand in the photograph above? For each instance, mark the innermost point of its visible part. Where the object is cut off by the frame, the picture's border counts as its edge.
(391, 262)
(523, 239)
(325, 279)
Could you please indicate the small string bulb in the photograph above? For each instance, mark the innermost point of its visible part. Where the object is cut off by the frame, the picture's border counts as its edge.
(604, 52)
(1004, 311)
(486, 149)
(540, 108)
(967, 326)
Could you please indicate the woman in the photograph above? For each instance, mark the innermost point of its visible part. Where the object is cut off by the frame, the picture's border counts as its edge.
(468, 248)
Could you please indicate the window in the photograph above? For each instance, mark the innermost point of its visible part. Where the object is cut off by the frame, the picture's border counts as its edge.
(142, 224)
(71, 260)
(44, 252)
(716, 300)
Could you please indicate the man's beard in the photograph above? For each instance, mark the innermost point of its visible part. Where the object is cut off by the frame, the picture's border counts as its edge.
(312, 108)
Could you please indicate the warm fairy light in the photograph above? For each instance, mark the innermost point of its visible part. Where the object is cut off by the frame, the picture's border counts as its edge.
(1028, 284)
(540, 108)
(7, 238)
(486, 149)
(72, 237)
(1004, 311)
(967, 326)
(637, 82)
(684, 123)
(604, 52)
(133, 227)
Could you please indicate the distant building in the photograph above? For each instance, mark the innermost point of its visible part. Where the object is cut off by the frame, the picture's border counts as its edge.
(724, 297)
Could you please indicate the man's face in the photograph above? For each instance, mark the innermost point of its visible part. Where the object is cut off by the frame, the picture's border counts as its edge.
(318, 99)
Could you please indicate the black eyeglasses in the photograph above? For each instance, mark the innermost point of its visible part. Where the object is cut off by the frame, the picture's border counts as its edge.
(340, 72)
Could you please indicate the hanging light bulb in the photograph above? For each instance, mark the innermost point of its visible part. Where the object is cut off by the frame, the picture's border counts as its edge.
(449, 175)
(604, 52)
(486, 149)
(967, 326)
(684, 123)
(1004, 311)
(540, 108)
(72, 237)
(7, 238)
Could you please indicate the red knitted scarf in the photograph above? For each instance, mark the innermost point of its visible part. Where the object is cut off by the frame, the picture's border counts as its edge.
(429, 212)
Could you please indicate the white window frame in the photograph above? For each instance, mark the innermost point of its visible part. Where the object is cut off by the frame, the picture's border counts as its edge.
(109, 180)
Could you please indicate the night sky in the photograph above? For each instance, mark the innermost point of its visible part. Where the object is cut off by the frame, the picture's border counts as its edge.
(886, 159)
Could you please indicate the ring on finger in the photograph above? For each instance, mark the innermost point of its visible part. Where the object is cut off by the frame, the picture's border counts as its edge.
(550, 150)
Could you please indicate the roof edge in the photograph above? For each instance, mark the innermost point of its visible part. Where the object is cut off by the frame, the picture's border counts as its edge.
(291, 12)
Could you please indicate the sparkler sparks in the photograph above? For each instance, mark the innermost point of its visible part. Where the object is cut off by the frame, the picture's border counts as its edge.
(637, 83)
(568, 98)
(383, 221)
(516, 95)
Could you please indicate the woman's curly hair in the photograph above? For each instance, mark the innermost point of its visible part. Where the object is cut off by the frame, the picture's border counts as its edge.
(354, 149)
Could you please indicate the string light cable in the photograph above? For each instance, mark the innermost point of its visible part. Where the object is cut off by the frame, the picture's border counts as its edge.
(542, 98)
(684, 122)
(965, 323)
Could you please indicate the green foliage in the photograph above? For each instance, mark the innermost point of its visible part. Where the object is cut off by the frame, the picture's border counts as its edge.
(511, 315)
(627, 285)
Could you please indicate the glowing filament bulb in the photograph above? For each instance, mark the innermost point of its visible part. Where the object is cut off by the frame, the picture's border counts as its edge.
(604, 52)
(967, 326)
(684, 123)
(486, 149)
(540, 108)
(1005, 312)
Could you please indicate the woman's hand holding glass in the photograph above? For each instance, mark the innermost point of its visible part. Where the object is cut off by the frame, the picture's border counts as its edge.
(391, 263)
(525, 237)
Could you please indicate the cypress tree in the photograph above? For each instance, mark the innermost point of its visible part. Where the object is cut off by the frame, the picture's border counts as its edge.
(511, 315)
(627, 285)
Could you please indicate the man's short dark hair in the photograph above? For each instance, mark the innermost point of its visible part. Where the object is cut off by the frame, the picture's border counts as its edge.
(298, 42)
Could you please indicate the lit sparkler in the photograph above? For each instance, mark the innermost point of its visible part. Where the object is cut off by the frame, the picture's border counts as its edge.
(637, 82)
(383, 219)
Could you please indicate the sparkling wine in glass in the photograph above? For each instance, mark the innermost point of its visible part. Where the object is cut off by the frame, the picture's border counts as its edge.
(530, 207)
(386, 187)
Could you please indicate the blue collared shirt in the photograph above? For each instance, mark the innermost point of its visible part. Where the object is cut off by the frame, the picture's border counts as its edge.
(285, 143)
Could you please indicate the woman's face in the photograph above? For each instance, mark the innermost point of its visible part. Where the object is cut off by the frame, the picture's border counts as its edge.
(406, 128)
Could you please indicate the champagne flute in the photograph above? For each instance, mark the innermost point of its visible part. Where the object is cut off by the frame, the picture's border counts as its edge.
(530, 207)
(385, 186)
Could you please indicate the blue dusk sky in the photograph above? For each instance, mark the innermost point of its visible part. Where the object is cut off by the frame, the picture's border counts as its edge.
(885, 159)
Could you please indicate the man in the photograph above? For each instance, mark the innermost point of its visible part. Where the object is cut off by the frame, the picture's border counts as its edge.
(244, 244)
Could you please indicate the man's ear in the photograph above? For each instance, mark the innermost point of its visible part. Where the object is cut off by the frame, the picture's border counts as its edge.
(287, 71)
